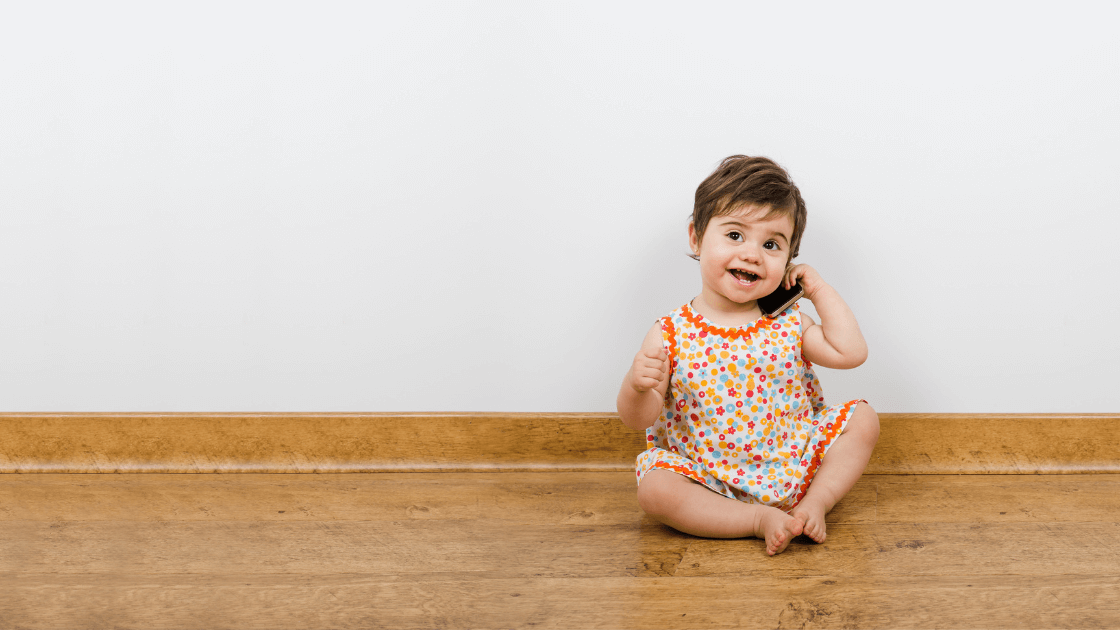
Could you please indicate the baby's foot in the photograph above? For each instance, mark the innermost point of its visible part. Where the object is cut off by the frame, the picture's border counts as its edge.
(778, 528)
(811, 516)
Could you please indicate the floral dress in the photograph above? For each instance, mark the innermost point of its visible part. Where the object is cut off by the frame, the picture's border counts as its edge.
(743, 413)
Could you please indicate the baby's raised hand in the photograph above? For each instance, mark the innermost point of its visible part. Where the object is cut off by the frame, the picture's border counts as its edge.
(649, 370)
(810, 280)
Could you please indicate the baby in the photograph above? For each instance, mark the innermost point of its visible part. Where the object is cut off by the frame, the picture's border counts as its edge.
(740, 440)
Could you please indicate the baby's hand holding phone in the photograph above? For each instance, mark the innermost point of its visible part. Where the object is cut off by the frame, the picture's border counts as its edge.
(806, 276)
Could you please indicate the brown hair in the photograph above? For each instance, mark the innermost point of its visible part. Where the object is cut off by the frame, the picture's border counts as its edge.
(740, 181)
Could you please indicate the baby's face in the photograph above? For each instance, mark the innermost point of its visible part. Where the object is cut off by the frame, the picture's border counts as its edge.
(742, 256)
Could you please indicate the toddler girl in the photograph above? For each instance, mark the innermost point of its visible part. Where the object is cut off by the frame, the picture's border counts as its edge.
(740, 440)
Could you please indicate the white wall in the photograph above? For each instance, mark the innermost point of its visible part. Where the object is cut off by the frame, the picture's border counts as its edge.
(482, 206)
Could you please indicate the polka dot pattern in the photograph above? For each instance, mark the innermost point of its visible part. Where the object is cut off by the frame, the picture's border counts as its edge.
(743, 414)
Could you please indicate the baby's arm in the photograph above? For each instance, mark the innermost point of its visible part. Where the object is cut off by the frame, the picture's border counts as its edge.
(643, 389)
(837, 341)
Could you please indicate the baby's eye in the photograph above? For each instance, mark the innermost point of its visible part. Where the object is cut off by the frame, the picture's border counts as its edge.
(772, 245)
(735, 236)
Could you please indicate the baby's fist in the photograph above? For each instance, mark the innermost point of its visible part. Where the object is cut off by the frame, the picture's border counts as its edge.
(649, 370)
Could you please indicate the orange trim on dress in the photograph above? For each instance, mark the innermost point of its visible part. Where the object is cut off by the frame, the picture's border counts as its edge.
(667, 327)
(680, 470)
(830, 435)
(697, 320)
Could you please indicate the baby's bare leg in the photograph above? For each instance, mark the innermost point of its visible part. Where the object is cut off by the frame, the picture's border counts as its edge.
(839, 471)
(692, 508)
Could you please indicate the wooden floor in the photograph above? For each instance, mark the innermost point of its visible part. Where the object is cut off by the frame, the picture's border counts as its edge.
(544, 550)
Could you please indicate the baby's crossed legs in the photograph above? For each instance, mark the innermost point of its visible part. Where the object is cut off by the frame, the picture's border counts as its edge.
(842, 466)
(692, 508)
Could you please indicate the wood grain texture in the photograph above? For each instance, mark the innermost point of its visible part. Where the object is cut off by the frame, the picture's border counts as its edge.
(994, 498)
(308, 443)
(594, 498)
(301, 443)
(355, 601)
(470, 547)
(501, 550)
(997, 444)
(558, 498)
(926, 549)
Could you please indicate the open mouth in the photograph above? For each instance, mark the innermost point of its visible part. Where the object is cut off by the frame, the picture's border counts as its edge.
(744, 276)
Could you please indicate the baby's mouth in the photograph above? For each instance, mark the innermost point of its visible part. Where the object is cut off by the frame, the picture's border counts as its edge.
(744, 276)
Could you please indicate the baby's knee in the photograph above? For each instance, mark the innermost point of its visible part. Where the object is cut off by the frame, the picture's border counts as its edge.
(866, 422)
(656, 496)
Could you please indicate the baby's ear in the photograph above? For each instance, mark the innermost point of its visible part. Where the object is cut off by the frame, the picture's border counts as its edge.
(693, 241)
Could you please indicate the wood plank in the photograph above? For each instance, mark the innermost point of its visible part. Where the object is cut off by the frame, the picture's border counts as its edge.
(307, 443)
(559, 498)
(250, 601)
(285, 443)
(994, 498)
(997, 444)
(506, 549)
(499, 550)
(478, 548)
(596, 498)
(920, 549)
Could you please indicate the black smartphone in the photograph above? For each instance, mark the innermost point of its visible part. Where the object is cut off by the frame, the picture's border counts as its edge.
(780, 300)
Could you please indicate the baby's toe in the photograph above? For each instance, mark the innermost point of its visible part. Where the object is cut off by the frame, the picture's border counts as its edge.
(816, 531)
(774, 544)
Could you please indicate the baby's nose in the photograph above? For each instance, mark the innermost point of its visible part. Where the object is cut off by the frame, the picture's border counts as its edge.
(748, 252)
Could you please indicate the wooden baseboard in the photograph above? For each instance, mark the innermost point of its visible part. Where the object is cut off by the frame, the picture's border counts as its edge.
(464, 442)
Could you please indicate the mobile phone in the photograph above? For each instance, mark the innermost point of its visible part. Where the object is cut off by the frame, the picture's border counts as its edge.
(780, 300)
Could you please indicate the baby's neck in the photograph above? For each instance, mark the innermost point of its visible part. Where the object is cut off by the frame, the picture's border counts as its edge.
(729, 315)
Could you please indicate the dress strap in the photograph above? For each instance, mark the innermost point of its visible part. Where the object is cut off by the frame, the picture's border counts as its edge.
(669, 342)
